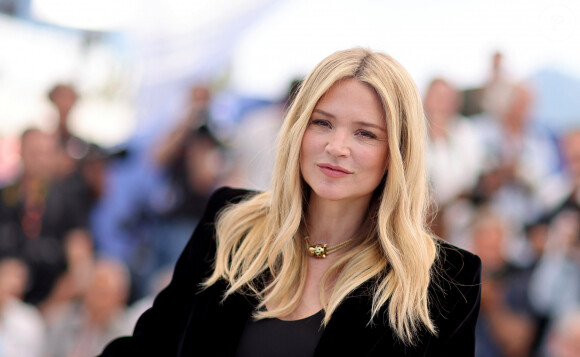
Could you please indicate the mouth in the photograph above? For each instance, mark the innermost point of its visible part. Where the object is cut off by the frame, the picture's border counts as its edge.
(333, 170)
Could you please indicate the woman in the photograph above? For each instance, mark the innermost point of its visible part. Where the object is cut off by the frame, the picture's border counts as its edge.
(335, 259)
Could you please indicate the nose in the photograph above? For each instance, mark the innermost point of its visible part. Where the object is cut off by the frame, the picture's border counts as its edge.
(338, 144)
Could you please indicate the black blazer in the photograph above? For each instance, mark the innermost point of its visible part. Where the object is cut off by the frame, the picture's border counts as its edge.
(185, 321)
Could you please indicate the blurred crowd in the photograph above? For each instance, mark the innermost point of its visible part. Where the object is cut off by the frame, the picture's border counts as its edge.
(508, 189)
(80, 259)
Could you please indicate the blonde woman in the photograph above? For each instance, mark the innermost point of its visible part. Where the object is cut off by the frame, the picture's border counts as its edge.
(335, 259)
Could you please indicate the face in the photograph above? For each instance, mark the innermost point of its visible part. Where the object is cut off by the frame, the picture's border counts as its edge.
(13, 279)
(64, 98)
(107, 289)
(344, 152)
(518, 108)
(441, 102)
(488, 243)
(39, 152)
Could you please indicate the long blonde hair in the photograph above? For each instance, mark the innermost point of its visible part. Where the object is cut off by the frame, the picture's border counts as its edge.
(260, 241)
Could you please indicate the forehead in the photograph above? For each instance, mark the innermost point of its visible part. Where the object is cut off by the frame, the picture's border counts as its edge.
(440, 86)
(351, 96)
(353, 85)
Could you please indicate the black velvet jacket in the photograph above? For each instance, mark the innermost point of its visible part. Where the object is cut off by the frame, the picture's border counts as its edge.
(187, 321)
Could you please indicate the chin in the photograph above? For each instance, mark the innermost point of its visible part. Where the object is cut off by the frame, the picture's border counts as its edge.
(326, 193)
(337, 194)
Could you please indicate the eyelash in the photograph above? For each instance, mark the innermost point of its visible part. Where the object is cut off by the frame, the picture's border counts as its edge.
(364, 133)
(321, 122)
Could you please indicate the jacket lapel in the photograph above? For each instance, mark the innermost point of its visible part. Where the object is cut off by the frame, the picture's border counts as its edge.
(215, 325)
(349, 333)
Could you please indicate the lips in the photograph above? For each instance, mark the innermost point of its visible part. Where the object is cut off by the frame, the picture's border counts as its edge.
(333, 170)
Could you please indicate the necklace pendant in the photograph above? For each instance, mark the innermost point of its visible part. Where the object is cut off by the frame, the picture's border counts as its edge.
(317, 251)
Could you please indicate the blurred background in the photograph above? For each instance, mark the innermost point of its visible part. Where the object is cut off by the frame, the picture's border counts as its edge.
(119, 118)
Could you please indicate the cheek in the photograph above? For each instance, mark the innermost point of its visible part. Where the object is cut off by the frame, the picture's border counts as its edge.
(377, 160)
(304, 153)
(308, 145)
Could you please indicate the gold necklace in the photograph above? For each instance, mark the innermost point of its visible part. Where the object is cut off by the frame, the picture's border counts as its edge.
(320, 251)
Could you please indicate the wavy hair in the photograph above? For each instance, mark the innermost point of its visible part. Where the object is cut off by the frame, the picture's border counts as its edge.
(260, 241)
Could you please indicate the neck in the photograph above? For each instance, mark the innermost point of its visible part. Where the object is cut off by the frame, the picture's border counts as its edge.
(333, 222)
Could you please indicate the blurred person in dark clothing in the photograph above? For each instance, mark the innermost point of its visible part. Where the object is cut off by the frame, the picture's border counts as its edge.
(73, 283)
(47, 201)
(191, 161)
(82, 187)
(64, 97)
(506, 325)
(32, 219)
(191, 175)
(172, 146)
(82, 164)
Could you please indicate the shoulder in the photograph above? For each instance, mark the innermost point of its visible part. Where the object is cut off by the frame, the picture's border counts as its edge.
(19, 312)
(202, 240)
(457, 264)
(225, 196)
(456, 281)
(219, 200)
(456, 278)
(454, 300)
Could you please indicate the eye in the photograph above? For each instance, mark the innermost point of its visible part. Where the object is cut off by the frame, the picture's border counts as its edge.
(366, 134)
(321, 123)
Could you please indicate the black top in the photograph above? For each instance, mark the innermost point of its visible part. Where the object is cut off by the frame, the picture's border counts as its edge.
(188, 321)
(279, 338)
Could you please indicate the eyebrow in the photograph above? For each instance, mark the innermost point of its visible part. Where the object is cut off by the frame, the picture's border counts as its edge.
(363, 123)
(324, 113)
(372, 125)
